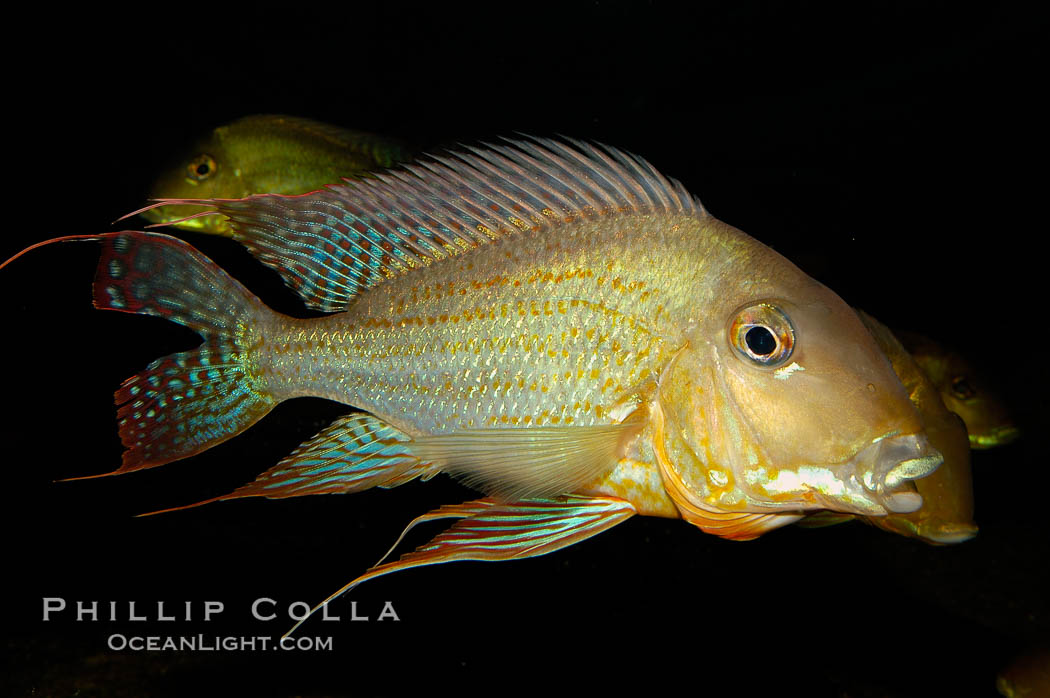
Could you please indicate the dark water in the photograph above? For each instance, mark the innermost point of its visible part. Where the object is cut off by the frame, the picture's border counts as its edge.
(896, 154)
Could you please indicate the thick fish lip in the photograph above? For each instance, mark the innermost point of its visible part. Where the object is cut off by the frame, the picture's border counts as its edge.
(889, 464)
(949, 534)
(998, 437)
(877, 480)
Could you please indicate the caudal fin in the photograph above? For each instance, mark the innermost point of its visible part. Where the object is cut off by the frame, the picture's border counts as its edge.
(186, 402)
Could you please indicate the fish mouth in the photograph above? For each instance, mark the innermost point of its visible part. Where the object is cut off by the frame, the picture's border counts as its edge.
(878, 479)
(997, 437)
(949, 534)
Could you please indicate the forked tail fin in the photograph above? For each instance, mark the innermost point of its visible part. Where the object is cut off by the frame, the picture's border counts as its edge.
(187, 402)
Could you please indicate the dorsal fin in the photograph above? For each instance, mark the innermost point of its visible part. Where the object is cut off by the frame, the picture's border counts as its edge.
(332, 244)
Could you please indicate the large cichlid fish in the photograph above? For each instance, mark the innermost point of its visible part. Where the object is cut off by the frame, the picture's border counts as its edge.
(556, 324)
(268, 153)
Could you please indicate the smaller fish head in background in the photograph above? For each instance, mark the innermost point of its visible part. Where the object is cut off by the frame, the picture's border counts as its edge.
(988, 422)
(965, 391)
(204, 173)
(782, 402)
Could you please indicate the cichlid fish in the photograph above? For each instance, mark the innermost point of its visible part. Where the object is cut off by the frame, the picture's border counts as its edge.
(556, 324)
(946, 515)
(988, 421)
(268, 154)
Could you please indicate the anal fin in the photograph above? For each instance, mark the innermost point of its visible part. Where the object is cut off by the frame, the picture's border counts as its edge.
(354, 453)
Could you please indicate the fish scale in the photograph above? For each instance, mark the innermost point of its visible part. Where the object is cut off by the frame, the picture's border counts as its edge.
(545, 341)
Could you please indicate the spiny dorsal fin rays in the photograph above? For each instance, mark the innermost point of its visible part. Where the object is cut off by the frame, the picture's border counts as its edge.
(333, 244)
(515, 530)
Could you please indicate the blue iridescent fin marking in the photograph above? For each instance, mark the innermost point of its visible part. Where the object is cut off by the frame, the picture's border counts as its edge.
(187, 402)
(354, 453)
(331, 245)
(516, 530)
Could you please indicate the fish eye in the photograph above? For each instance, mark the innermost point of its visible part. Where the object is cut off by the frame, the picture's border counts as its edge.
(763, 335)
(201, 167)
(962, 389)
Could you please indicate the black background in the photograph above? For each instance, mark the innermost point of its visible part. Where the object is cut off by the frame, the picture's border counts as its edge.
(896, 152)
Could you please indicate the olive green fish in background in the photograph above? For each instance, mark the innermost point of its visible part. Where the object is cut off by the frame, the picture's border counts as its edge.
(964, 392)
(265, 154)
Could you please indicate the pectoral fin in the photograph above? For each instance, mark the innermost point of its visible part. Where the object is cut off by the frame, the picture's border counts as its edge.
(491, 531)
(518, 464)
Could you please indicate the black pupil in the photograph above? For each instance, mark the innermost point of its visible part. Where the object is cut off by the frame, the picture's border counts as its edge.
(962, 388)
(202, 169)
(760, 341)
